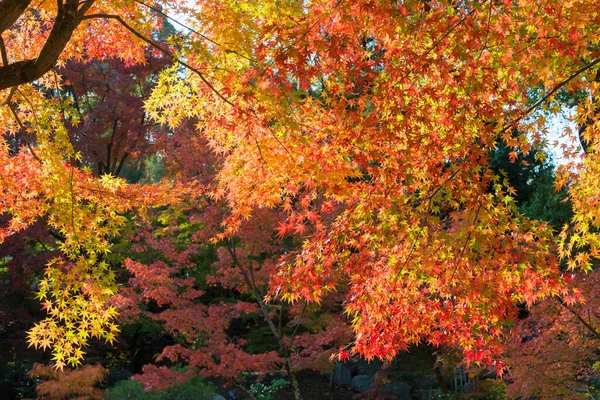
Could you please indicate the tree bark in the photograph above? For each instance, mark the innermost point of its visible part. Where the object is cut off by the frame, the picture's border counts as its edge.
(585, 143)
(68, 18)
(10, 11)
(430, 352)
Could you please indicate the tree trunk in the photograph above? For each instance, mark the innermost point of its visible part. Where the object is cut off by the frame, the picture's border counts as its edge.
(435, 366)
(585, 144)
(263, 307)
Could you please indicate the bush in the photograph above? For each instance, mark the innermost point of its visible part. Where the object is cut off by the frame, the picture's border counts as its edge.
(127, 390)
(266, 392)
(81, 383)
(193, 389)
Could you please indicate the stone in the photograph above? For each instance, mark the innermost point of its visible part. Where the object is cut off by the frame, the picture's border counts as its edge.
(368, 368)
(398, 389)
(217, 396)
(361, 383)
(342, 374)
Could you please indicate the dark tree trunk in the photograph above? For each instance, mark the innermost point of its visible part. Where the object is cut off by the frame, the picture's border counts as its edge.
(67, 20)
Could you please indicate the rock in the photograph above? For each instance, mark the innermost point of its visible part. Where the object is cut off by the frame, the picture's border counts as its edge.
(217, 396)
(342, 374)
(361, 383)
(398, 389)
(364, 367)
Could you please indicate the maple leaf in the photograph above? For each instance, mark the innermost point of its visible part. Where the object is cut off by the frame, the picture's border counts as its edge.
(343, 355)
(59, 365)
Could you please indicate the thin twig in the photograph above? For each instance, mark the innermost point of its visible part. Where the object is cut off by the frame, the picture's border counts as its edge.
(429, 199)
(10, 95)
(560, 85)
(462, 251)
(203, 36)
(72, 200)
(25, 133)
(161, 49)
(296, 329)
(487, 33)
(579, 317)
(440, 40)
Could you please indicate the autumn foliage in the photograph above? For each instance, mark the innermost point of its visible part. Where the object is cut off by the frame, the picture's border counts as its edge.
(68, 384)
(327, 151)
(554, 352)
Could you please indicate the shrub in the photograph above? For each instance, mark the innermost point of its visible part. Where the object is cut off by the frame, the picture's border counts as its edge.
(266, 392)
(68, 384)
(194, 389)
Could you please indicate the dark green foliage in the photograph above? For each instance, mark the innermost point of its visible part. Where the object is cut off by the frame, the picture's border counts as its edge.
(193, 389)
(266, 391)
(564, 98)
(14, 381)
(145, 340)
(259, 339)
(546, 204)
(523, 173)
(154, 169)
(146, 171)
(533, 181)
(127, 390)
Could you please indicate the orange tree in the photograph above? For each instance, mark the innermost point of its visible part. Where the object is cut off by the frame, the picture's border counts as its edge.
(390, 110)
(383, 111)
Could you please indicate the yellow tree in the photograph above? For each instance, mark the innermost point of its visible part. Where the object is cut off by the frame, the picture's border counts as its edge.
(46, 178)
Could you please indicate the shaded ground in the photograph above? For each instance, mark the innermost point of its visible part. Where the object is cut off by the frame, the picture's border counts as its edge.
(315, 386)
(411, 369)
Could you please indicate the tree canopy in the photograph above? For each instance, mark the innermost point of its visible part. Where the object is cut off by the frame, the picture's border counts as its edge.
(357, 135)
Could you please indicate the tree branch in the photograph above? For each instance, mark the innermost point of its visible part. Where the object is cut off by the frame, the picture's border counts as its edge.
(10, 11)
(263, 307)
(3, 52)
(162, 50)
(550, 93)
(585, 144)
(67, 20)
(580, 318)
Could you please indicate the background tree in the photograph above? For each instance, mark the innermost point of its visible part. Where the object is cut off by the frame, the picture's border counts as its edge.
(532, 177)
(554, 351)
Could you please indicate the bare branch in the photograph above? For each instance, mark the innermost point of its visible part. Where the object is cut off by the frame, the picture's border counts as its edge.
(588, 326)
